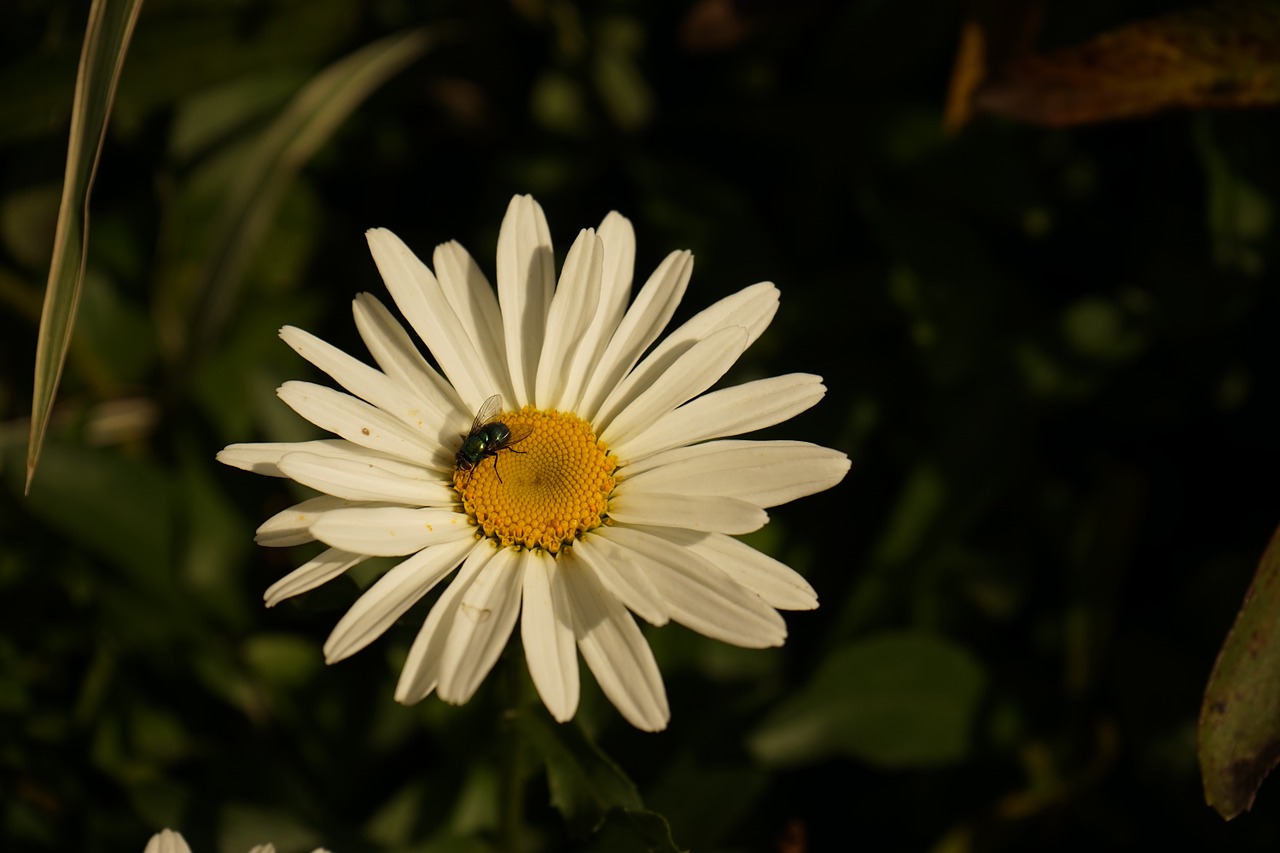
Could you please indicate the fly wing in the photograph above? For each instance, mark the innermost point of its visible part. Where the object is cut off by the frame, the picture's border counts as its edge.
(488, 411)
(519, 432)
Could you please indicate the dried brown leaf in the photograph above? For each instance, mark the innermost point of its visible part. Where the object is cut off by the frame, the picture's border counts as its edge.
(1221, 56)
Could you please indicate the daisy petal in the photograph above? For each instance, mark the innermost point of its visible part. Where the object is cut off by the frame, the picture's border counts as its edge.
(344, 452)
(728, 411)
(264, 458)
(390, 531)
(712, 513)
(776, 583)
(320, 570)
(764, 473)
(397, 355)
(355, 420)
(620, 571)
(751, 309)
(367, 383)
(701, 596)
(546, 631)
(476, 306)
(640, 326)
(421, 670)
(292, 526)
(487, 612)
(572, 310)
(614, 649)
(418, 295)
(526, 283)
(364, 481)
(618, 239)
(388, 599)
(167, 841)
(691, 374)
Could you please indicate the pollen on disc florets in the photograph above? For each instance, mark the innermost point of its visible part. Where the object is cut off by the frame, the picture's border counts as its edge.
(544, 491)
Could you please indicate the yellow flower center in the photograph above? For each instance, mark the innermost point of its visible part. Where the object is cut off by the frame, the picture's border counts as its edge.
(544, 490)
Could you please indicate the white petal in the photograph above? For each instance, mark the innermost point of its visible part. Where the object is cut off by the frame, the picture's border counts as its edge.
(394, 593)
(321, 569)
(622, 574)
(398, 355)
(486, 614)
(292, 526)
(572, 310)
(167, 841)
(424, 305)
(701, 596)
(546, 630)
(751, 308)
(526, 283)
(614, 649)
(337, 450)
(356, 480)
(357, 421)
(640, 326)
(713, 513)
(776, 583)
(764, 473)
(619, 241)
(263, 458)
(422, 667)
(263, 848)
(390, 531)
(728, 411)
(476, 306)
(688, 376)
(369, 384)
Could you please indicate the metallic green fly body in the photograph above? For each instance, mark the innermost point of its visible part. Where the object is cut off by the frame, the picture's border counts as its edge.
(487, 437)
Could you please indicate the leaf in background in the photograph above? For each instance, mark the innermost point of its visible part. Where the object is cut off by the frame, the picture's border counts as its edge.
(250, 203)
(1225, 55)
(626, 831)
(1240, 717)
(106, 41)
(584, 782)
(897, 700)
(993, 32)
(109, 504)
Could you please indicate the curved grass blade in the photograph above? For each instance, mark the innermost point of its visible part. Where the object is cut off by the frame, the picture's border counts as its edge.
(250, 205)
(106, 41)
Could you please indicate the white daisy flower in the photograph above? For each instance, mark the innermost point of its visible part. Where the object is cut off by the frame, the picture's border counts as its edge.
(601, 487)
(168, 841)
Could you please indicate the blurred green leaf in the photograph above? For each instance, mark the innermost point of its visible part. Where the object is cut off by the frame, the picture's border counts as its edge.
(626, 831)
(119, 507)
(897, 700)
(704, 802)
(1240, 215)
(28, 220)
(585, 783)
(258, 185)
(105, 43)
(1240, 717)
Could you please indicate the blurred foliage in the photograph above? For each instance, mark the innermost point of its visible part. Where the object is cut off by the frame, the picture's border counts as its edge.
(1223, 55)
(1240, 718)
(1049, 352)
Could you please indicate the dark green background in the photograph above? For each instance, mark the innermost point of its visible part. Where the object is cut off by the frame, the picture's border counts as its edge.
(1051, 356)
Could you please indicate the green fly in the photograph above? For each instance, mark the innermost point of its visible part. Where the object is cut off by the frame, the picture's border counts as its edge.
(487, 437)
